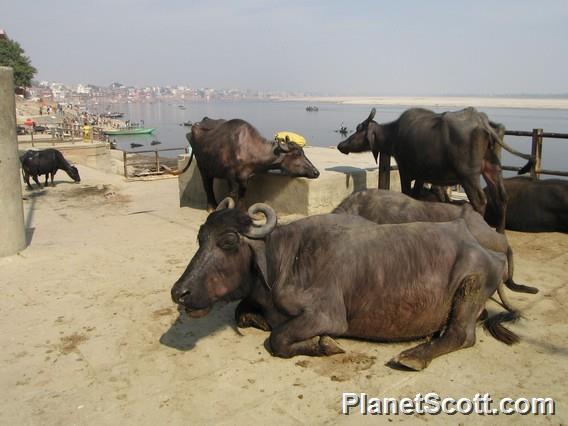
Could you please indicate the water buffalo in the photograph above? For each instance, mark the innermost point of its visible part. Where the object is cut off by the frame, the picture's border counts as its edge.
(443, 149)
(235, 150)
(47, 162)
(534, 205)
(388, 207)
(342, 275)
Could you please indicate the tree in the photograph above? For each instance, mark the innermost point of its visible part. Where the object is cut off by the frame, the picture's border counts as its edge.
(12, 55)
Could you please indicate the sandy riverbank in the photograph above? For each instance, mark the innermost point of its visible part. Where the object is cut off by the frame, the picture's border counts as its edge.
(91, 335)
(450, 102)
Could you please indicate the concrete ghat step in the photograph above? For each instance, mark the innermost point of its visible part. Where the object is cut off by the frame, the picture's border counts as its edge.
(340, 175)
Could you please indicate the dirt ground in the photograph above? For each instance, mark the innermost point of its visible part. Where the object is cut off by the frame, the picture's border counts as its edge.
(90, 335)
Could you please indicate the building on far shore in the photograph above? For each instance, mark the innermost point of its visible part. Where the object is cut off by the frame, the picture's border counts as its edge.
(3, 35)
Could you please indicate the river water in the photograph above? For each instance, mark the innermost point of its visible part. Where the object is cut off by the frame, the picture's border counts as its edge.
(319, 127)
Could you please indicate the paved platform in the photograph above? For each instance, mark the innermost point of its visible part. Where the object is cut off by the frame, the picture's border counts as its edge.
(90, 335)
(340, 175)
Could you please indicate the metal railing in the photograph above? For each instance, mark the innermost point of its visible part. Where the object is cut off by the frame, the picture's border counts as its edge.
(537, 136)
(66, 133)
(143, 165)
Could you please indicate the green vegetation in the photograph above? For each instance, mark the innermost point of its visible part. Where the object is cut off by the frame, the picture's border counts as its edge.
(12, 55)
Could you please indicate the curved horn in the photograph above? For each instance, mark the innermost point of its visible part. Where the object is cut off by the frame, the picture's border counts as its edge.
(260, 231)
(227, 203)
(372, 114)
(284, 146)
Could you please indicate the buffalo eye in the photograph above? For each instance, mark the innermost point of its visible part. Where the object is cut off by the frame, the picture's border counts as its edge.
(228, 241)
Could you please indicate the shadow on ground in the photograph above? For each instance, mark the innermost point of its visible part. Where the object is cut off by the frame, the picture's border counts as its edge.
(185, 332)
(32, 197)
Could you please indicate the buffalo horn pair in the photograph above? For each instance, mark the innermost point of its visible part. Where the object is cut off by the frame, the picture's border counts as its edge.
(256, 231)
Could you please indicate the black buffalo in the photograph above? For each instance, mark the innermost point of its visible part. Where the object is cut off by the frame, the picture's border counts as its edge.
(342, 275)
(388, 207)
(46, 162)
(443, 149)
(534, 205)
(235, 150)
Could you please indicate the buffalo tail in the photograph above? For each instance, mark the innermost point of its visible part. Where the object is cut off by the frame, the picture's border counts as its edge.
(498, 331)
(182, 171)
(512, 285)
(526, 168)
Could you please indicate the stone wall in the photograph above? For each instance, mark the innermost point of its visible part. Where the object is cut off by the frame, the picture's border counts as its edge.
(340, 175)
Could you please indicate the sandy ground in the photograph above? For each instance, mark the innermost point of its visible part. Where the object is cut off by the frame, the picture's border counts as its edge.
(441, 101)
(90, 335)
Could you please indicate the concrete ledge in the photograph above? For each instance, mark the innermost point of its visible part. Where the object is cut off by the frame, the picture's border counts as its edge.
(340, 176)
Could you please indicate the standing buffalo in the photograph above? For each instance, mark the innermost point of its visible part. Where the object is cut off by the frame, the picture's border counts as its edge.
(235, 150)
(388, 207)
(443, 149)
(534, 205)
(342, 275)
(46, 162)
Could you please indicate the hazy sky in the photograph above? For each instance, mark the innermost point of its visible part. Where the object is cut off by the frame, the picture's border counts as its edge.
(327, 47)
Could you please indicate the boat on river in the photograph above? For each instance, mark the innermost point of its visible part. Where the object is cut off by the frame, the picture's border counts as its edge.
(129, 131)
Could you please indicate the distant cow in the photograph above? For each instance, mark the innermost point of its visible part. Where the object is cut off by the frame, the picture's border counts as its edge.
(342, 275)
(389, 207)
(443, 149)
(235, 150)
(46, 162)
(534, 205)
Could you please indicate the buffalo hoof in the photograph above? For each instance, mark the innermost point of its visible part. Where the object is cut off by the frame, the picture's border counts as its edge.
(251, 319)
(329, 346)
(411, 361)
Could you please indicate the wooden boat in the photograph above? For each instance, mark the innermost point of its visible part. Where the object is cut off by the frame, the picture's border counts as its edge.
(130, 131)
(113, 114)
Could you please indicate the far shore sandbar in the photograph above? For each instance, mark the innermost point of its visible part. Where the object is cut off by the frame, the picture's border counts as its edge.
(446, 101)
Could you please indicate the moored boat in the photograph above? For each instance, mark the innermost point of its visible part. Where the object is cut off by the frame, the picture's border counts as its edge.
(130, 131)
(113, 114)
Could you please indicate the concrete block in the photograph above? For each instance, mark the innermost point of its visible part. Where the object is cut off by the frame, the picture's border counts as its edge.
(340, 176)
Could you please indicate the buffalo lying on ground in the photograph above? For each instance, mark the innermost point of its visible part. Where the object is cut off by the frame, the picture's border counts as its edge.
(46, 162)
(443, 149)
(342, 275)
(388, 207)
(235, 150)
(534, 205)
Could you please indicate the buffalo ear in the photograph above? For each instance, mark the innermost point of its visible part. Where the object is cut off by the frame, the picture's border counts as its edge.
(258, 248)
(373, 143)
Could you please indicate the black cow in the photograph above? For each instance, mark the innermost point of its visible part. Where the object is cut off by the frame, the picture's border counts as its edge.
(443, 149)
(534, 205)
(389, 207)
(342, 275)
(46, 162)
(235, 150)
